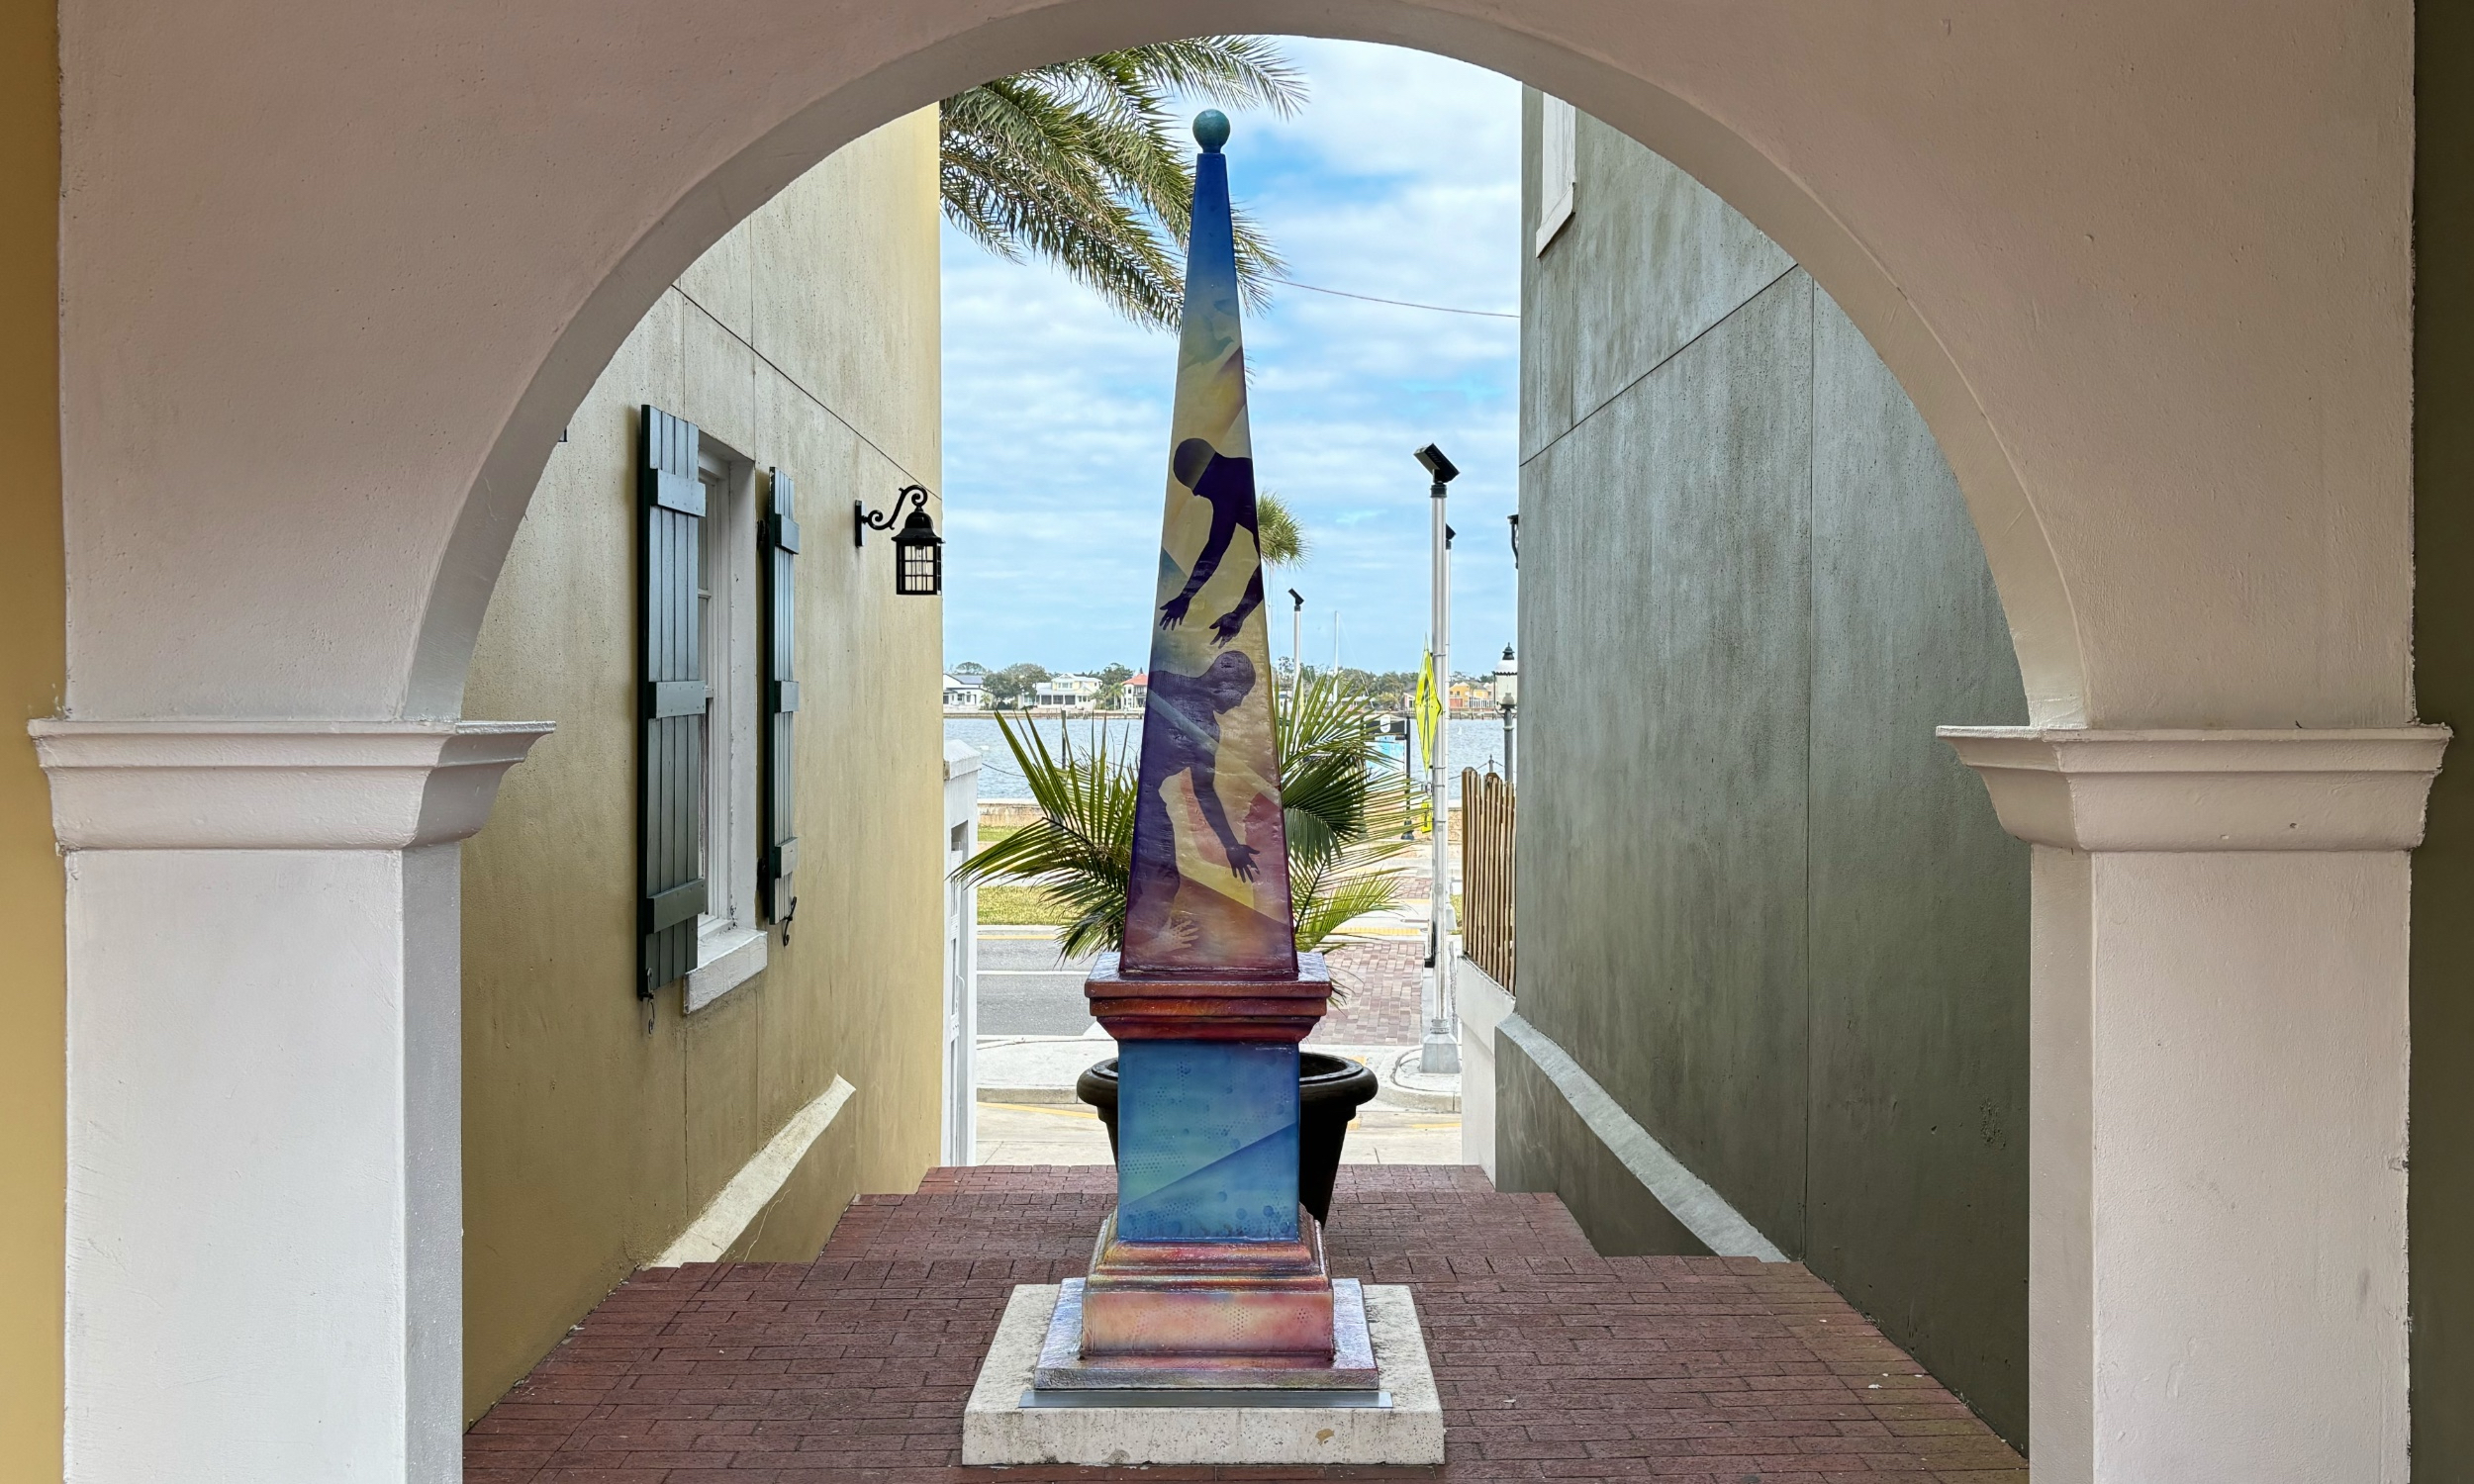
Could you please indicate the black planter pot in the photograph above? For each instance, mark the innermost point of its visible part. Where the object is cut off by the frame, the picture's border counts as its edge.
(1330, 1090)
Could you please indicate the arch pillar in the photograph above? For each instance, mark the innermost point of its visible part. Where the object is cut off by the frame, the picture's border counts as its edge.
(265, 1159)
(2216, 1095)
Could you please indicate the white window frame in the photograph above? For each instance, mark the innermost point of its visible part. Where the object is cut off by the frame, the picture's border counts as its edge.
(1558, 166)
(730, 948)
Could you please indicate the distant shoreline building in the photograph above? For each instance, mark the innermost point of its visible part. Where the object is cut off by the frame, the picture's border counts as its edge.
(1066, 693)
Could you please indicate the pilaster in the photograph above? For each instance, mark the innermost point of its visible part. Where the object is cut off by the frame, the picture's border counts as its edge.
(2217, 1282)
(265, 1270)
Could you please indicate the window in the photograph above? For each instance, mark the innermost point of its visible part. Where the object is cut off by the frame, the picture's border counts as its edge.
(729, 944)
(1558, 166)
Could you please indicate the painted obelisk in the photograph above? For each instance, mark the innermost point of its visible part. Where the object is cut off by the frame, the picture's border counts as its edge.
(1208, 1273)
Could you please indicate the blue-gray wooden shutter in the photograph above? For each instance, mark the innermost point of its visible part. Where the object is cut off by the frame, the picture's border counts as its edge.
(670, 766)
(778, 855)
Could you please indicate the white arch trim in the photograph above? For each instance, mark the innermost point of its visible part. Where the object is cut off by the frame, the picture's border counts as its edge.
(2032, 589)
(2151, 291)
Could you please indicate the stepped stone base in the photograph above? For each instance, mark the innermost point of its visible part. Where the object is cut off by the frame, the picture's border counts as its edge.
(998, 1428)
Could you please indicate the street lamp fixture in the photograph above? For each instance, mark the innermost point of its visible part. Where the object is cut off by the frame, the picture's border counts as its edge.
(1507, 697)
(918, 551)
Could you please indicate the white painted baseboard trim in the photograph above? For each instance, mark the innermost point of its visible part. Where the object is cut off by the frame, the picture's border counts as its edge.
(1482, 1002)
(761, 1178)
(1687, 1196)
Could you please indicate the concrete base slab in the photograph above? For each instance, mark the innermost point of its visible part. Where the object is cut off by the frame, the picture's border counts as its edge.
(997, 1429)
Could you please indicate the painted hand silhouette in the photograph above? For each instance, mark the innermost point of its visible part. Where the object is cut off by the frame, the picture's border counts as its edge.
(1241, 861)
(1227, 486)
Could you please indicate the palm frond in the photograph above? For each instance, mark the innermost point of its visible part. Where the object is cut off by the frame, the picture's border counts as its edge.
(1324, 919)
(1079, 852)
(1343, 819)
(1081, 163)
(1277, 534)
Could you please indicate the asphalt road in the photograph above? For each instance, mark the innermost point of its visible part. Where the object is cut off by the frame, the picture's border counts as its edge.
(1025, 990)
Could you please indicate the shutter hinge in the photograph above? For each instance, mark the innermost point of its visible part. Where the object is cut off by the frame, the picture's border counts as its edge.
(666, 699)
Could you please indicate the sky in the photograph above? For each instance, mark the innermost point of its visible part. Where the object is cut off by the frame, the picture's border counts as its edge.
(1400, 179)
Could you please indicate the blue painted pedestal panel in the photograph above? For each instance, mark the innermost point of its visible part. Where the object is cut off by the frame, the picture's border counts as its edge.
(1207, 1141)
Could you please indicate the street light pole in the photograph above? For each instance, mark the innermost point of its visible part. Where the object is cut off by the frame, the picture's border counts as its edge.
(1296, 637)
(1506, 697)
(1440, 1050)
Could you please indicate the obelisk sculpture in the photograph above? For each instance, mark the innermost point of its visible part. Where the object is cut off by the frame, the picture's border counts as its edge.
(1208, 1274)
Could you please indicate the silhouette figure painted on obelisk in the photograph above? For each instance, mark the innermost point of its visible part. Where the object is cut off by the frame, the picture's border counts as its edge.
(1209, 890)
(1189, 743)
(1228, 484)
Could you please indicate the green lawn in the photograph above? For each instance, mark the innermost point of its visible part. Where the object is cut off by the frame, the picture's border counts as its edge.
(1009, 904)
(1016, 906)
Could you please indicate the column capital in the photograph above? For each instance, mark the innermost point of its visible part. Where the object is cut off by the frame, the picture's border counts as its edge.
(274, 785)
(2174, 789)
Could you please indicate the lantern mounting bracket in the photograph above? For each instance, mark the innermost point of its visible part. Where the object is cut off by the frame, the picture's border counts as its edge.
(866, 520)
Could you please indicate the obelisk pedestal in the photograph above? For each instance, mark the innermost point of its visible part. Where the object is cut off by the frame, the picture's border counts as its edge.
(1208, 1273)
(1208, 1328)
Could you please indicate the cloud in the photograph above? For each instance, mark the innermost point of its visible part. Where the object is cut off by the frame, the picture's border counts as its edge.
(1400, 179)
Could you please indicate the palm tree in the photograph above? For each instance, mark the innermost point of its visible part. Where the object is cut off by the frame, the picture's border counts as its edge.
(1081, 163)
(1344, 822)
(1276, 533)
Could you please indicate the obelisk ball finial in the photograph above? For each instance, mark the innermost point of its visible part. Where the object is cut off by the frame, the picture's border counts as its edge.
(1212, 129)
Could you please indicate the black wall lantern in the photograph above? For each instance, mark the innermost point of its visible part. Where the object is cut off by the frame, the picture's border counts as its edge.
(918, 551)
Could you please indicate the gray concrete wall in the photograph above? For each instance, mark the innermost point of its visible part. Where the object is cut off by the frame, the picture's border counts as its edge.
(1759, 902)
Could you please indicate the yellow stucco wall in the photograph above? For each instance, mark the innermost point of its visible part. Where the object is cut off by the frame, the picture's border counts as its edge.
(805, 337)
(33, 1055)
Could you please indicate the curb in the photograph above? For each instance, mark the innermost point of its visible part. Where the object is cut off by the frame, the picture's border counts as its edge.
(1038, 1096)
(1423, 1099)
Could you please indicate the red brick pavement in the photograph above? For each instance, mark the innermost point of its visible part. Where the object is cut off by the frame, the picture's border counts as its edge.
(1553, 1363)
(1380, 982)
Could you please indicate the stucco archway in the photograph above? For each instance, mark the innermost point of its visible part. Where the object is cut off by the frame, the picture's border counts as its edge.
(2024, 562)
(2122, 303)
(330, 283)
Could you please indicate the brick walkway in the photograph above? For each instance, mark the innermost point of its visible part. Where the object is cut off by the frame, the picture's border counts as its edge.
(1380, 982)
(1553, 1363)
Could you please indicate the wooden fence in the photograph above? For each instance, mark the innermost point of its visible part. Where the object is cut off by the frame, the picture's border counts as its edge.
(1487, 872)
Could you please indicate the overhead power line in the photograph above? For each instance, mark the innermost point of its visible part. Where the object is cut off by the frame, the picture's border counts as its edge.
(1440, 309)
